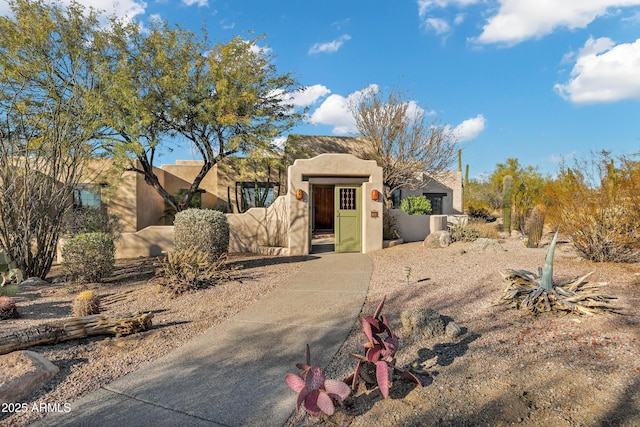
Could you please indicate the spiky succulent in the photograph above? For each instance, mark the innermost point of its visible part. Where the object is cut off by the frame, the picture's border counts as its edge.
(380, 350)
(316, 393)
(538, 292)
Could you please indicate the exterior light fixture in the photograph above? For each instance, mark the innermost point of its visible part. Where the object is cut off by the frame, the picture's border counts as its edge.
(375, 195)
(407, 272)
(299, 194)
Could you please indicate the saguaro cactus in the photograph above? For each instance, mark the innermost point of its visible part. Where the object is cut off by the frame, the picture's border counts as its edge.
(507, 189)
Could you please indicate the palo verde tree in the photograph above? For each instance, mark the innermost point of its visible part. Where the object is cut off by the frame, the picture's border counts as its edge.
(397, 136)
(47, 124)
(167, 83)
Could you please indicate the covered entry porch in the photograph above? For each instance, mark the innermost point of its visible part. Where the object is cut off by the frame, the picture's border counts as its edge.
(334, 197)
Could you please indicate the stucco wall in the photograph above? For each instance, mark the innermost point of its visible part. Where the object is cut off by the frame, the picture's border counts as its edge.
(338, 166)
(414, 228)
(150, 241)
(259, 227)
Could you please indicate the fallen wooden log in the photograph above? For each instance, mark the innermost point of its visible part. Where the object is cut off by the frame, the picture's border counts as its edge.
(75, 328)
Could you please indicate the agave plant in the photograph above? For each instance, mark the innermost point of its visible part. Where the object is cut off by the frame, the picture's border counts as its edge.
(538, 293)
(380, 352)
(316, 393)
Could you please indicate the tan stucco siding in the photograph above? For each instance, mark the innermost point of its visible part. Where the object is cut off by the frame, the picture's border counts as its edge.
(333, 165)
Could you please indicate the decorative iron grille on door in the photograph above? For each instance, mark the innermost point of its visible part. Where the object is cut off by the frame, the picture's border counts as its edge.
(347, 198)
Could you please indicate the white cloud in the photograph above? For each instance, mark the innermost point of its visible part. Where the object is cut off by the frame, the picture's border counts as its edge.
(124, 9)
(470, 128)
(329, 47)
(520, 20)
(425, 6)
(334, 111)
(309, 95)
(440, 26)
(604, 72)
(514, 21)
(199, 3)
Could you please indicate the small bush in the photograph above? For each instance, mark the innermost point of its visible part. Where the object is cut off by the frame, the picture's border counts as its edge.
(472, 231)
(8, 309)
(189, 269)
(88, 257)
(203, 229)
(416, 205)
(606, 234)
(86, 304)
(479, 214)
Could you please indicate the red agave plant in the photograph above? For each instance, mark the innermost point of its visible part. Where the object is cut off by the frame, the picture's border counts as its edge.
(315, 391)
(380, 352)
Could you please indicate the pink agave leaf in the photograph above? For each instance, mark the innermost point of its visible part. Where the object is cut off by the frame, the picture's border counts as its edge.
(382, 376)
(370, 327)
(311, 403)
(391, 344)
(373, 354)
(379, 308)
(356, 375)
(325, 404)
(301, 397)
(307, 353)
(337, 389)
(387, 326)
(295, 382)
(409, 376)
(315, 378)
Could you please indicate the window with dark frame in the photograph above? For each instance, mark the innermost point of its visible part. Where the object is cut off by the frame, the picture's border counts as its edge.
(256, 194)
(87, 196)
(436, 202)
(396, 199)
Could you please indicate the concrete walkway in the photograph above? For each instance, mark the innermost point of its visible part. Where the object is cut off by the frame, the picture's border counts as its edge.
(233, 374)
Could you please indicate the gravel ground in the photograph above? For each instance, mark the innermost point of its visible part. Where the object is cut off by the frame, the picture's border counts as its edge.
(507, 368)
(87, 364)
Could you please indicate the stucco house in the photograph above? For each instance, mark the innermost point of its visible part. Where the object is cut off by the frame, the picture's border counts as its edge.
(325, 189)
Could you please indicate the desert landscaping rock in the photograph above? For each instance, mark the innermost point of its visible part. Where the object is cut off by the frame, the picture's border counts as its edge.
(437, 239)
(21, 372)
(453, 330)
(34, 281)
(420, 323)
(485, 246)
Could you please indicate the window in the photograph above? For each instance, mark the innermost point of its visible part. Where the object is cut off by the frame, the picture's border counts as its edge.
(87, 196)
(348, 199)
(396, 198)
(436, 202)
(255, 194)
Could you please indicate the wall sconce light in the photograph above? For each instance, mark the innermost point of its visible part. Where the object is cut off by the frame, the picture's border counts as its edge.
(299, 194)
(375, 195)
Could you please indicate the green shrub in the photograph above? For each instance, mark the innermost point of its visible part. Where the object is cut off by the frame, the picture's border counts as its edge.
(203, 229)
(416, 205)
(88, 257)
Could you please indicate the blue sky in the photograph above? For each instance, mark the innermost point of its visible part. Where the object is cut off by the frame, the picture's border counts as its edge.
(539, 80)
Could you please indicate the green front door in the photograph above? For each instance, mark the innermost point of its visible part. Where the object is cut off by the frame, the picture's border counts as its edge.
(348, 223)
